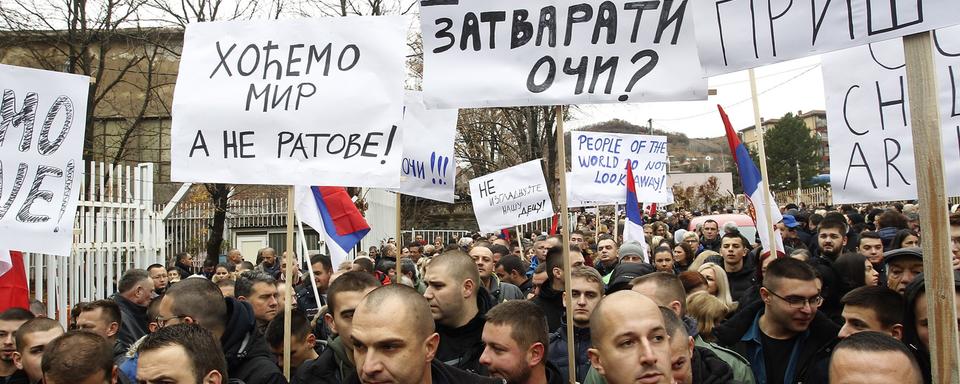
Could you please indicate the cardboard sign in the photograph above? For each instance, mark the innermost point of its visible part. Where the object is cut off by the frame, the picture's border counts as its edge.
(871, 143)
(599, 161)
(428, 168)
(42, 123)
(513, 196)
(740, 34)
(487, 53)
(292, 102)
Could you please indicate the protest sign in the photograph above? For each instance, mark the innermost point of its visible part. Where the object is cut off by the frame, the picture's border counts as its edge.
(486, 53)
(511, 197)
(292, 102)
(428, 169)
(871, 145)
(42, 123)
(599, 161)
(740, 34)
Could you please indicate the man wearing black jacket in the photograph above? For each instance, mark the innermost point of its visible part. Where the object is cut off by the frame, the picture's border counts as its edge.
(199, 301)
(783, 336)
(458, 303)
(692, 364)
(740, 271)
(550, 298)
(515, 336)
(134, 293)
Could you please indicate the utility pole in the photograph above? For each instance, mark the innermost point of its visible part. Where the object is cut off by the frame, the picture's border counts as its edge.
(798, 182)
(650, 125)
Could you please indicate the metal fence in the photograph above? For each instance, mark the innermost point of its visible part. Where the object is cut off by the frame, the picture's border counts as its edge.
(188, 225)
(823, 196)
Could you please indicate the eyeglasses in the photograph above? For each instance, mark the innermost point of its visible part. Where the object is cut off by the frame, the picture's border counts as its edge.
(161, 322)
(799, 302)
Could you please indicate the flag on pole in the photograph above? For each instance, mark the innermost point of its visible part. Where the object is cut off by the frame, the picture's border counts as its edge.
(13, 283)
(331, 212)
(554, 224)
(752, 187)
(633, 227)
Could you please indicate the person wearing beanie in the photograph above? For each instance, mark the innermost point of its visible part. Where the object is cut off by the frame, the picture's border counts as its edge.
(632, 252)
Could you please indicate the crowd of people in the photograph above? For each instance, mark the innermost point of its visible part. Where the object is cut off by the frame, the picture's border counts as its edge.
(844, 304)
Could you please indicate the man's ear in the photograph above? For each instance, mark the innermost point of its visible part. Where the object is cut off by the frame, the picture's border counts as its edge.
(535, 354)
(328, 319)
(115, 375)
(241, 298)
(18, 360)
(311, 340)
(564, 295)
(691, 344)
(214, 377)
(897, 331)
(431, 344)
(469, 286)
(113, 328)
(594, 356)
(764, 294)
(557, 273)
(676, 307)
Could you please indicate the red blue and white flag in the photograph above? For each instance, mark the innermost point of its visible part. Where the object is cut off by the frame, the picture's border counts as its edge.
(633, 227)
(752, 187)
(331, 212)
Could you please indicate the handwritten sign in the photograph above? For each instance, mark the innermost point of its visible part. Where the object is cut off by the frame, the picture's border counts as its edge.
(599, 161)
(42, 121)
(485, 53)
(513, 196)
(428, 169)
(740, 34)
(871, 144)
(293, 102)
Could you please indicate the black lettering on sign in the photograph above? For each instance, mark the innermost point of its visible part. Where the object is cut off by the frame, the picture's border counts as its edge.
(44, 171)
(256, 60)
(771, 17)
(199, 143)
(548, 23)
(606, 19)
(818, 22)
(890, 158)
(753, 26)
(580, 71)
(846, 120)
(577, 13)
(44, 146)
(863, 164)
(492, 18)
(487, 188)
(955, 104)
(889, 67)
(430, 3)
(235, 145)
(652, 57)
(893, 18)
(9, 116)
(271, 62)
(532, 85)
(521, 29)
(639, 6)
(223, 60)
(893, 102)
(444, 33)
(17, 183)
(666, 18)
(940, 49)
(324, 55)
(470, 31)
(603, 66)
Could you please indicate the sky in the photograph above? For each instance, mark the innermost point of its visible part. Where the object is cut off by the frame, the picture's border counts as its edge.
(789, 86)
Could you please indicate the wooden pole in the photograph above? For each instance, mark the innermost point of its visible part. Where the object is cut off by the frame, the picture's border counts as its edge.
(287, 299)
(565, 243)
(596, 227)
(935, 225)
(399, 230)
(616, 223)
(520, 242)
(766, 203)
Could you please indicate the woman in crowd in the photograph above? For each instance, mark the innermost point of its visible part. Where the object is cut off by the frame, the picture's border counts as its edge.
(692, 281)
(223, 271)
(854, 271)
(682, 256)
(904, 238)
(717, 284)
(708, 311)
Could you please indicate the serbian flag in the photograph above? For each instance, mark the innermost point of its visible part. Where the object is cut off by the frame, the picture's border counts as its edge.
(633, 228)
(13, 284)
(752, 187)
(331, 212)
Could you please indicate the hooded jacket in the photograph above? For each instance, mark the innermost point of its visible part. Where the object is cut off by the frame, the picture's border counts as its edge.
(332, 367)
(133, 324)
(708, 368)
(461, 347)
(554, 376)
(742, 280)
(248, 356)
(501, 291)
(557, 351)
(551, 302)
(810, 359)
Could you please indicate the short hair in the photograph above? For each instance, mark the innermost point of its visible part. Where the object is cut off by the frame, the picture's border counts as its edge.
(555, 259)
(669, 288)
(366, 265)
(414, 304)
(499, 248)
(787, 268)
(36, 324)
(589, 274)
(707, 221)
(323, 260)
(354, 281)
(199, 344)
(886, 303)
(831, 223)
(869, 235)
(892, 218)
(38, 308)
(131, 278)
(871, 341)
(673, 324)
(200, 299)
(108, 307)
(955, 219)
(75, 356)
(738, 236)
(246, 265)
(229, 267)
(459, 265)
(182, 255)
(154, 266)
(528, 323)
(299, 327)
(692, 280)
(228, 282)
(16, 314)
(408, 266)
(512, 263)
(247, 279)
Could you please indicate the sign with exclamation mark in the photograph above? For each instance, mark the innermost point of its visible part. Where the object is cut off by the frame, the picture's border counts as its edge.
(427, 169)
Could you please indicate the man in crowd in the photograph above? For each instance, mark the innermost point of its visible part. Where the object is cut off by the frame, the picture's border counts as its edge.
(871, 247)
(234, 257)
(101, 317)
(540, 248)
(32, 337)
(458, 304)
(711, 236)
(232, 322)
(78, 358)
(260, 290)
(877, 309)
(182, 353)
(158, 273)
(550, 298)
(631, 252)
(955, 238)
(692, 364)
(501, 291)
(740, 272)
(873, 357)
(184, 265)
(302, 341)
(515, 336)
(586, 289)
(267, 257)
(511, 269)
(394, 340)
(416, 251)
(335, 365)
(609, 256)
(903, 266)
(134, 293)
(783, 336)
(10, 321)
(322, 270)
(630, 340)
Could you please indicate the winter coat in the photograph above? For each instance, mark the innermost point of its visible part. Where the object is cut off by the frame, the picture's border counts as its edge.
(504, 291)
(248, 356)
(551, 302)
(557, 351)
(461, 347)
(133, 324)
(707, 368)
(332, 367)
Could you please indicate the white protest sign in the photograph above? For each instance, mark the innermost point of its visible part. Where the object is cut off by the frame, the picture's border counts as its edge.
(511, 197)
(291, 102)
(428, 167)
(42, 121)
(871, 143)
(740, 34)
(599, 167)
(486, 53)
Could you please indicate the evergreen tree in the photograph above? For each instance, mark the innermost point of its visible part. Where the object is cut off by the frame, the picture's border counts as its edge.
(789, 144)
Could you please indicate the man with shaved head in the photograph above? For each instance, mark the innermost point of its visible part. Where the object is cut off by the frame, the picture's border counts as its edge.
(630, 340)
(394, 340)
(501, 291)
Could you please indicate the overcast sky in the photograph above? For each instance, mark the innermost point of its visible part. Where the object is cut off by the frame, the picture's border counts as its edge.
(785, 87)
